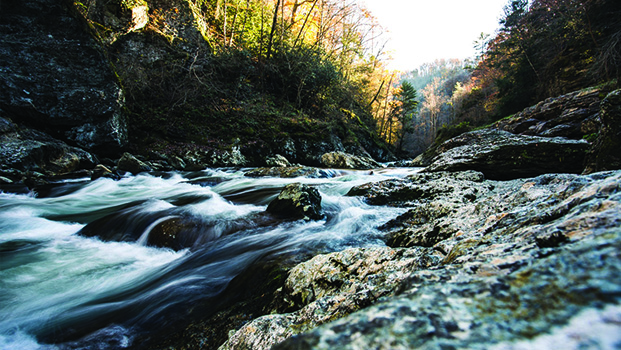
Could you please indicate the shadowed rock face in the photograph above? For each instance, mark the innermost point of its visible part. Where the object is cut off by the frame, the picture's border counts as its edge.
(55, 79)
(501, 155)
(606, 152)
(27, 150)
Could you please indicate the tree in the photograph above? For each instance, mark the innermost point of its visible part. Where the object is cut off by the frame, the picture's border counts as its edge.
(404, 111)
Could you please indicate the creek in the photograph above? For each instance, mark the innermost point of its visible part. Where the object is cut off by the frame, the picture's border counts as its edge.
(62, 290)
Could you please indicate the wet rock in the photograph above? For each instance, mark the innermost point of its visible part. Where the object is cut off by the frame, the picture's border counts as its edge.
(174, 233)
(55, 79)
(502, 155)
(297, 201)
(277, 161)
(176, 162)
(342, 160)
(128, 162)
(102, 171)
(606, 152)
(489, 282)
(288, 172)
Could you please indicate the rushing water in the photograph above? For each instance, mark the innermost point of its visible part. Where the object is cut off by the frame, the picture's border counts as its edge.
(60, 289)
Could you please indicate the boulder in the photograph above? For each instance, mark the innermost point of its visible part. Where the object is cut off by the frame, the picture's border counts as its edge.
(502, 155)
(28, 150)
(132, 164)
(297, 201)
(606, 152)
(342, 160)
(573, 115)
(277, 161)
(531, 263)
(288, 172)
(332, 286)
(56, 80)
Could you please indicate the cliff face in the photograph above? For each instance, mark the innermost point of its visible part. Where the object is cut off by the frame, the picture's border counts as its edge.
(55, 79)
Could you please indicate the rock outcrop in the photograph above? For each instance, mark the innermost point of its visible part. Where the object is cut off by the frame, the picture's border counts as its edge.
(502, 155)
(606, 152)
(526, 263)
(342, 160)
(297, 201)
(289, 172)
(54, 77)
(26, 150)
(128, 162)
(573, 115)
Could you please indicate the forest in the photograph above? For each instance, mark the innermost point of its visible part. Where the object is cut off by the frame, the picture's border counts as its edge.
(257, 72)
(543, 48)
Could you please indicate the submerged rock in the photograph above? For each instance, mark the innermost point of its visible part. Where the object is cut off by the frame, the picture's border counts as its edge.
(502, 155)
(342, 160)
(518, 262)
(297, 201)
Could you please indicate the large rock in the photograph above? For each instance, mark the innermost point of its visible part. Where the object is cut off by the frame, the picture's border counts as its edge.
(572, 115)
(342, 160)
(289, 172)
(297, 201)
(332, 286)
(55, 79)
(531, 263)
(575, 116)
(128, 162)
(502, 155)
(27, 150)
(606, 152)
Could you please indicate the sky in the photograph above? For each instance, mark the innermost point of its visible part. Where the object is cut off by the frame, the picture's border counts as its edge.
(421, 31)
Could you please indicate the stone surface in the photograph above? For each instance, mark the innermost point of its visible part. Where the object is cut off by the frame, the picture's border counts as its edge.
(342, 160)
(277, 161)
(524, 261)
(27, 150)
(288, 172)
(331, 286)
(606, 152)
(297, 201)
(55, 79)
(575, 116)
(502, 155)
(128, 162)
(572, 115)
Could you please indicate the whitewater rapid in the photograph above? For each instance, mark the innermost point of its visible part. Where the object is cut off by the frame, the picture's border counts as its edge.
(61, 290)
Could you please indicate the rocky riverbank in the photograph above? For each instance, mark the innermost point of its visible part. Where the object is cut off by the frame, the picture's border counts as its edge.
(473, 263)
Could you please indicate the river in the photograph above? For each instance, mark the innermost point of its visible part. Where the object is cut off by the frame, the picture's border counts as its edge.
(62, 290)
